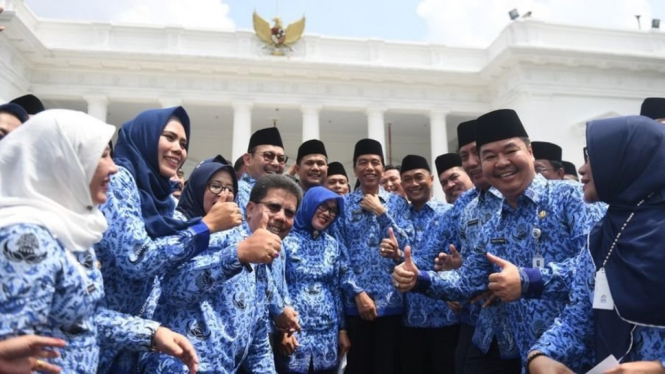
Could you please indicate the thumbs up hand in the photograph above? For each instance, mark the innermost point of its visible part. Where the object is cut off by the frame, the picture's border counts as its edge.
(389, 247)
(506, 284)
(445, 262)
(262, 246)
(405, 274)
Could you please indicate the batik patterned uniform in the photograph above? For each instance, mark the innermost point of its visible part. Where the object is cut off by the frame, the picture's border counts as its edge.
(422, 311)
(491, 321)
(361, 233)
(50, 291)
(315, 280)
(558, 211)
(245, 185)
(570, 338)
(220, 306)
(131, 258)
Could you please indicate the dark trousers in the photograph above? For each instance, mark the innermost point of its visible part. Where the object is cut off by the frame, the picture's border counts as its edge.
(373, 345)
(428, 350)
(490, 363)
(463, 345)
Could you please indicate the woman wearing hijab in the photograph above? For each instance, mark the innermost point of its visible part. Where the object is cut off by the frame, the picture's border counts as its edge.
(616, 300)
(144, 240)
(313, 273)
(49, 220)
(213, 297)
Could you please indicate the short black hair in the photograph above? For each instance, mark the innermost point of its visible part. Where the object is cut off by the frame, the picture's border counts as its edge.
(392, 167)
(240, 162)
(274, 182)
(556, 165)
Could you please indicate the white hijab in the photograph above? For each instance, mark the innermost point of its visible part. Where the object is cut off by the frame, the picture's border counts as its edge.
(46, 166)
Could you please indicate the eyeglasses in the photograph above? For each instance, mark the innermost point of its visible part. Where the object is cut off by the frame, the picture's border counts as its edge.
(218, 188)
(270, 156)
(275, 208)
(327, 208)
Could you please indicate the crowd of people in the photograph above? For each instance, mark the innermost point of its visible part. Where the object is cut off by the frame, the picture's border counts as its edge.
(114, 261)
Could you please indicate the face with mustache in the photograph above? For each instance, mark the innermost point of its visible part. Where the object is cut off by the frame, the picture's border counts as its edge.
(508, 165)
(265, 160)
(454, 182)
(312, 170)
(472, 166)
(100, 180)
(280, 206)
(338, 183)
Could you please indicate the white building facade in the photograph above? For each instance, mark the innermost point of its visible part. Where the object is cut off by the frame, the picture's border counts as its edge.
(408, 96)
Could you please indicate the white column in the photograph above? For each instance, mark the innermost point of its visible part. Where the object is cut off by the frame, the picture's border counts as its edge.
(242, 127)
(310, 122)
(97, 106)
(170, 102)
(438, 145)
(375, 126)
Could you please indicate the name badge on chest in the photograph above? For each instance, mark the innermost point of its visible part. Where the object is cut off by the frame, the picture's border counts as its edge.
(602, 297)
(538, 262)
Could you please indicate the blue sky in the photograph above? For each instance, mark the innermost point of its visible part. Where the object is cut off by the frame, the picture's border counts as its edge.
(452, 22)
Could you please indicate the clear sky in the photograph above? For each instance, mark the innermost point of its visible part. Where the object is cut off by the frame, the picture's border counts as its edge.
(451, 22)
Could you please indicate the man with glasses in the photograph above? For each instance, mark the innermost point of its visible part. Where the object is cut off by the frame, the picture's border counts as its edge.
(311, 164)
(548, 160)
(265, 155)
(374, 308)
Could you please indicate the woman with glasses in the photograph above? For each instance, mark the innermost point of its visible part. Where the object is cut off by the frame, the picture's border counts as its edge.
(144, 240)
(217, 297)
(616, 304)
(314, 272)
(54, 172)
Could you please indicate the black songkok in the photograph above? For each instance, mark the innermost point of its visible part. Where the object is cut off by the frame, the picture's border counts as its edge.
(267, 136)
(311, 147)
(368, 147)
(466, 133)
(498, 125)
(30, 103)
(653, 107)
(546, 151)
(447, 161)
(569, 168)
(411, 162)
(15, 110)
(336, 168)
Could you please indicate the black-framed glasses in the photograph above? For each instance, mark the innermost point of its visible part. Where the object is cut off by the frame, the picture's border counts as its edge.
(269, 156)
(586, 154)
(275, 208)
(327, 208)
(217, 188)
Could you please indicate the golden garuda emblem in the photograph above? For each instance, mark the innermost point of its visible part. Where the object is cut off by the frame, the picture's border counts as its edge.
(276, 37)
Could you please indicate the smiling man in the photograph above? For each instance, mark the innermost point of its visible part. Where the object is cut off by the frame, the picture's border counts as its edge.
(454, 180)
(311, 164)
(548, 160)
(375, 308)
(539, 223)
(337, 180)
(431, 329)
(265, 155)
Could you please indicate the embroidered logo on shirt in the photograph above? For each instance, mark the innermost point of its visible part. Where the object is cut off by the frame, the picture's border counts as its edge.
(26, 248)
